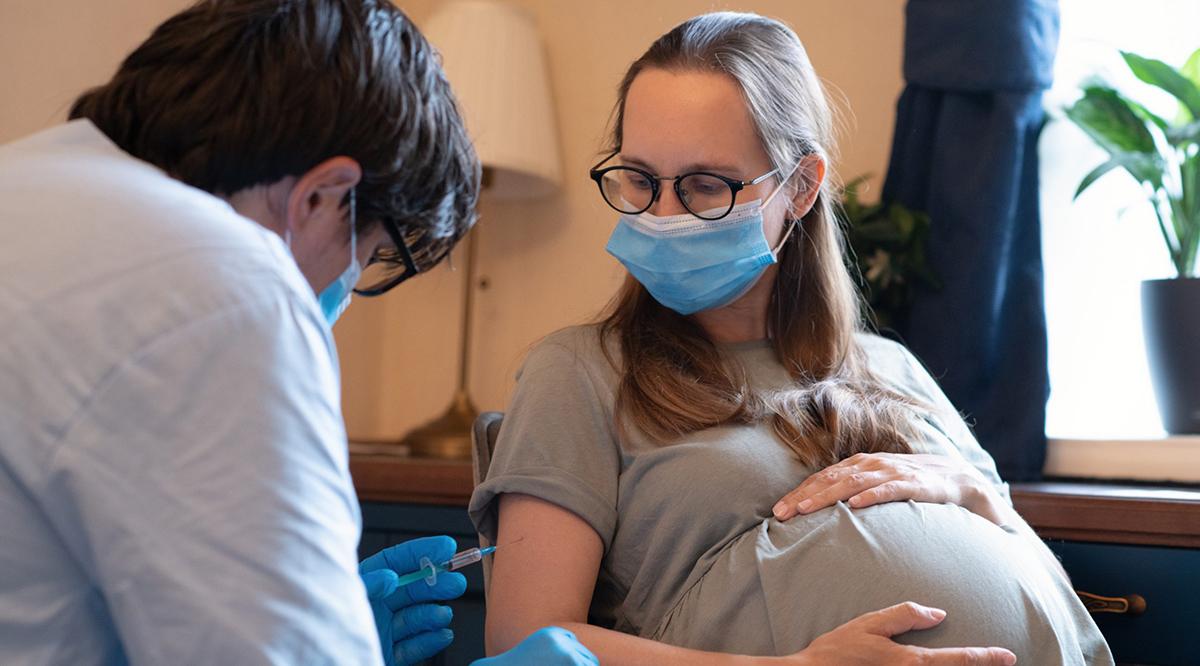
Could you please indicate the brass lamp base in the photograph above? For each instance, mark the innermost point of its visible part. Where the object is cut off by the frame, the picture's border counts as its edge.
(447, 436)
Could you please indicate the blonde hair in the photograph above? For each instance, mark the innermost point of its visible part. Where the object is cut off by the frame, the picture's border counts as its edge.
(674, 379)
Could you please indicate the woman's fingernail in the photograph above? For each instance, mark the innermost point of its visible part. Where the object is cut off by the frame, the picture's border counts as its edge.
(1010, 659)
(937, 613)
(803, 506)
(779, 510)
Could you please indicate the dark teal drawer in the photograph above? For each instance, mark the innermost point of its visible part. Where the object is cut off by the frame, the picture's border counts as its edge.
(1168, 633)
(388, 524)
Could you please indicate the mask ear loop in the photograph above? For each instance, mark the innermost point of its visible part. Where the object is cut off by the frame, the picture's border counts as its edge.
(287, 233)
(353, 225)
(794, 222)
(791, 227)
(782, 182)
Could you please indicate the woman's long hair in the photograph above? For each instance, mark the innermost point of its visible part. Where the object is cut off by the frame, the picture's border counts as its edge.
(674, 379)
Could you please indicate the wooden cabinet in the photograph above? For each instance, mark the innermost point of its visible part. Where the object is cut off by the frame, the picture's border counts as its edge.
(1120, 541)
(1114, 541)
(1168, 579)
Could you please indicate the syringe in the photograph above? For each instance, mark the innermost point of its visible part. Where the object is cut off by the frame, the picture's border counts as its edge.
(429, 571)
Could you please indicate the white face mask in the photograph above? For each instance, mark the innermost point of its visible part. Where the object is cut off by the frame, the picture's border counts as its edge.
(335, 298)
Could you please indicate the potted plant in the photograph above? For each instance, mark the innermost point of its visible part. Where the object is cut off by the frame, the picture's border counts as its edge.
(1163, 155)
(887, 247)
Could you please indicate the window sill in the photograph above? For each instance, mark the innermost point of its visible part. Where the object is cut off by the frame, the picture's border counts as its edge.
(1174, 459)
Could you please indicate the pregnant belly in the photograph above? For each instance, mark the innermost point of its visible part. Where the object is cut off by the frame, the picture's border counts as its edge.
(780, 585)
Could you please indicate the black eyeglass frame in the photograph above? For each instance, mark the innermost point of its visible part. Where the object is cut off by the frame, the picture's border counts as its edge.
(735, 186)
(410, 266)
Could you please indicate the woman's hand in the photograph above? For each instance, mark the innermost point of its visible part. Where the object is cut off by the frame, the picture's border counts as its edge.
(876, 478)
(867, 640)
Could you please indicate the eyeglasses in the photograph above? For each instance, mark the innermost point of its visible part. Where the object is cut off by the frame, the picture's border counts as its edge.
(379, 275)
(708, 196)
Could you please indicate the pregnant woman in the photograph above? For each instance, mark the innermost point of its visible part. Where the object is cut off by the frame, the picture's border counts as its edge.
(726, 467)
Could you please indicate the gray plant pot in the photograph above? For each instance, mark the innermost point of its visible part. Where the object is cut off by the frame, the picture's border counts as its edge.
(1171, 322)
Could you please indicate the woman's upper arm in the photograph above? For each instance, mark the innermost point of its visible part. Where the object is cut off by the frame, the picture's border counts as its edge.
(544, 571)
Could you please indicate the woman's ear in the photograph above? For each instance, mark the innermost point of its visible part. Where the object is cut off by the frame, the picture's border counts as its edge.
(808, 177)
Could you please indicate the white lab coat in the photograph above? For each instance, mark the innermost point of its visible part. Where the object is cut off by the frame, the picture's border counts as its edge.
(174, 484)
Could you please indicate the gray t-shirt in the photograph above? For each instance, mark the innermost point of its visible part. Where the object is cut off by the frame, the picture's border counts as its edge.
(694, 557)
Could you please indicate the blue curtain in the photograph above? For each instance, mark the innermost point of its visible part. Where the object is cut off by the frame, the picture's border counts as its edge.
(965, 152)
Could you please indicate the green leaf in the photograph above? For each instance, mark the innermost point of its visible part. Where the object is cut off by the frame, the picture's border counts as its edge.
(1143, 167)
(1191, 68)
(879, 232)
(1190, 205)
(885, 250)
(903, 219)
(852, 186)
(1160, 74)
(853, 211)
(1179, 135)
(1189, 171)
(1147, 114)
(850, 193)
(1094, 175)
(1181, 226)
(1109, 120)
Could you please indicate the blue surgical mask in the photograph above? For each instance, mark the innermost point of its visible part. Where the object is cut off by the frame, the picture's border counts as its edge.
(335, 298)
(690, 264)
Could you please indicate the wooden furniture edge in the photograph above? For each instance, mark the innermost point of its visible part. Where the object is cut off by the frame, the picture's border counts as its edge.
(1072, 511)
(1111, 513)
(386, 478)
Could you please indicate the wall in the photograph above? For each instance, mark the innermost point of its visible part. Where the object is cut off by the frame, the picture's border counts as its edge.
(52, 51)
(544, 262)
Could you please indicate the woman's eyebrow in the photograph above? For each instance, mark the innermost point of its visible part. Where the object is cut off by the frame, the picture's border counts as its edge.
(694, 166)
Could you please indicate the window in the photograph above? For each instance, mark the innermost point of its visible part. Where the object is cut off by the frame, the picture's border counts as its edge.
(1100, 247)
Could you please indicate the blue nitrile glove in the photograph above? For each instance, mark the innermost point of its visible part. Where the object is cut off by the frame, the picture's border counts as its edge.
(411, 630)
(552, 646)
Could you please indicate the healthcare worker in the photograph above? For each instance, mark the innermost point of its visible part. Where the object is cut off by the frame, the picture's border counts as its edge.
(174, 484)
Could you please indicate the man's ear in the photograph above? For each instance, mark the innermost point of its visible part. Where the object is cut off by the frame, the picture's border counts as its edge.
(319, 193)
(808, 179)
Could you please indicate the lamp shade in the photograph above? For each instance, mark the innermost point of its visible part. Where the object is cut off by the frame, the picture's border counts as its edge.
(493, 58)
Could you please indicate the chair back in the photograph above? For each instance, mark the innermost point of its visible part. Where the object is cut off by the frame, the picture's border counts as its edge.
(483, 440)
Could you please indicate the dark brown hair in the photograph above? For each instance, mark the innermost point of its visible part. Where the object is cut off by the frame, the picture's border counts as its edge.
(674, 380)
(229, 94)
